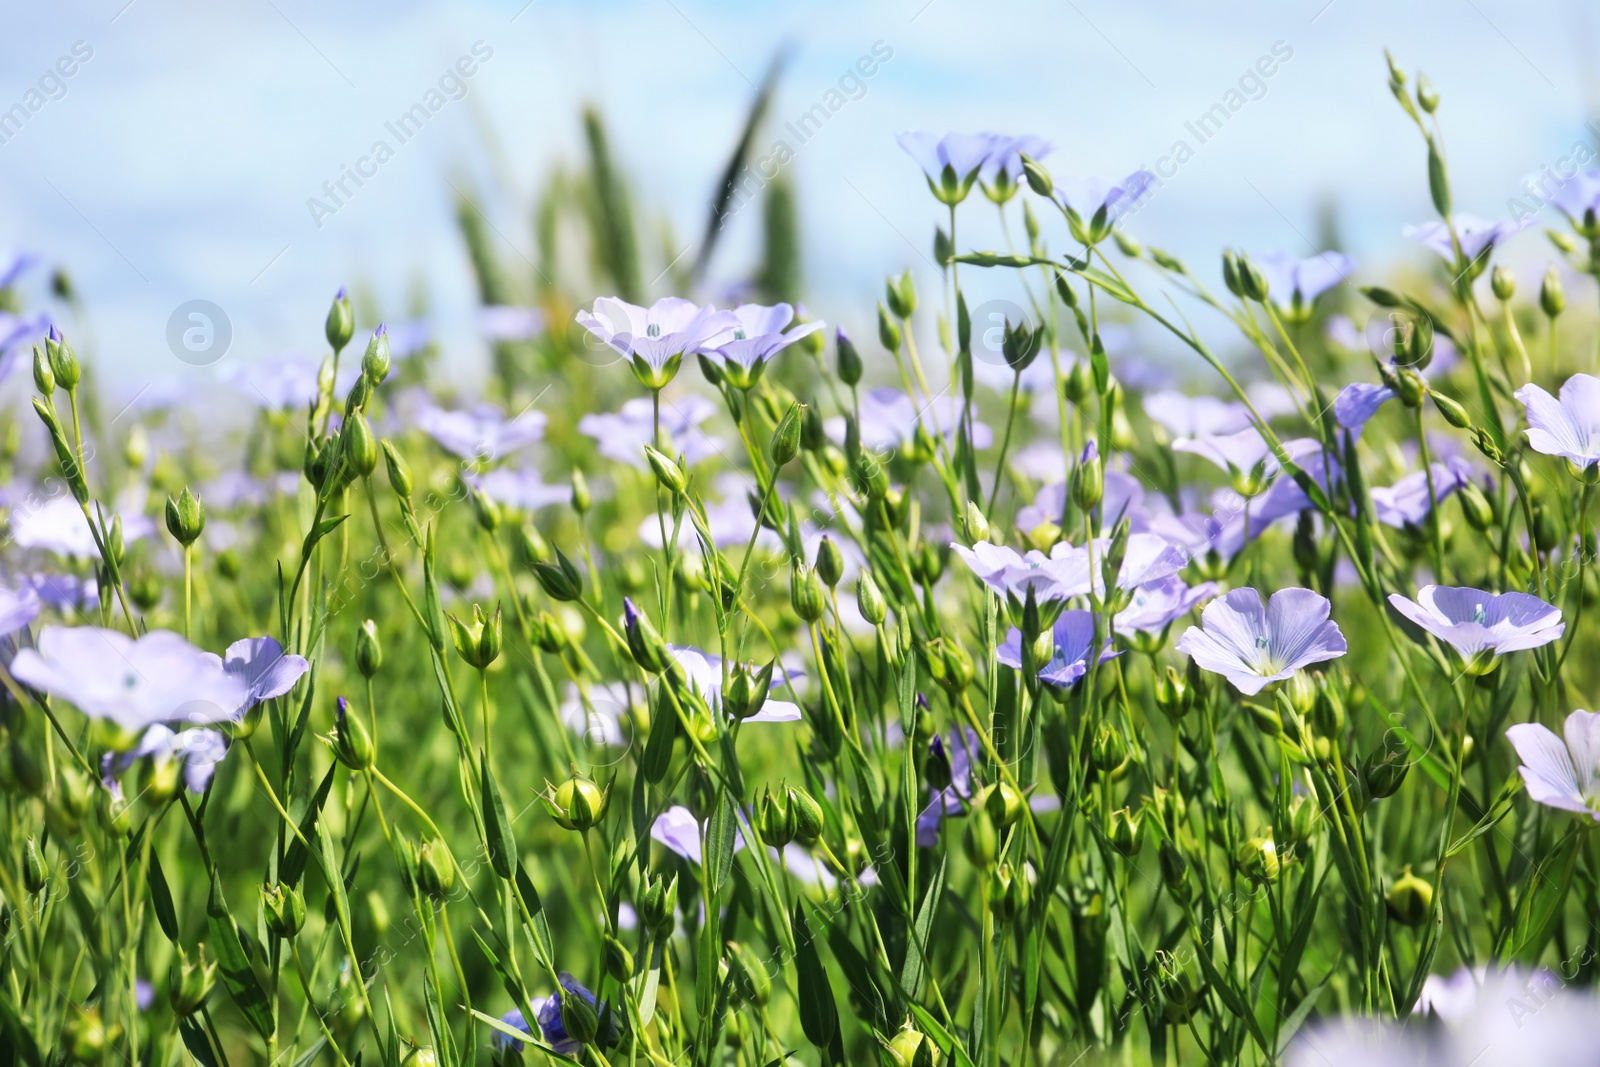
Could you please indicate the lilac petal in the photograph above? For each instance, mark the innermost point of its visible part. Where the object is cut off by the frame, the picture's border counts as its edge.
(1582, 730)
(1546, 767)
(1357, 403)
(1235, 451)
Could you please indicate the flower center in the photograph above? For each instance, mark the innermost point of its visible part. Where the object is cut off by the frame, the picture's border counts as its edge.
(653, 330)
(739, 335)
(1265, 662)
(130, 681)
(1478, 615)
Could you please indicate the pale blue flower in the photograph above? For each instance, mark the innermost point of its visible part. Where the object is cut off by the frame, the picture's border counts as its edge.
(1254, 644)
(1569, 427)
(1557, 773)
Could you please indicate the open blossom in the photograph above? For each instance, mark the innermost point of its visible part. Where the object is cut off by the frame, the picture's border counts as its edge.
(680, 831)
(264, 667)
(959, 748)
(1086, 196)
(1295, 282)
(1002, 167)
(1196, 416)
(1148, 558)
(18, 607)
(1478, 236)
(889, 419)
(157, 678)
(744, 349)
(58, 525)
(1157, 605)
(1073, 640)
(481, 432)
(197, 753)
(524, 488)
(1569, 427)
(950, 163)
(1557, 773)
(1480, 625)
(622, 435)
(1013, 574)
(1123, 499)
(1253, 644)
(547, 1013)
(704, 672)
(654, 339)
(1407, 501)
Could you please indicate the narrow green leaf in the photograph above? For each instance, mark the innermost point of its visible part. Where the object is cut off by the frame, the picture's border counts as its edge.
(819, 1015)
(496, 827)
(538, 924)
(161, 898)
(237, 974)
(1543, 896)
(947, 1042)
(195, 1040)
(294, 861)
(721, 833)
(911, 972)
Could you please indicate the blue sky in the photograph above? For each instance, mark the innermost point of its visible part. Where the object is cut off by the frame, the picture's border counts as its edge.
(179, 161)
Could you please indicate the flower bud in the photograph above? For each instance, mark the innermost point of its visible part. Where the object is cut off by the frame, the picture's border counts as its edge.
(1453, 413)
(189, 984)
(186, 517)
(359, 446)
(775, 818)
(578, 1018)
(785, 444)
(805, 593)
(560, 580)
(1125, 826)
(1251, 280)
(477, 642)
(1174, 870)
(1409, 899)
(668, 473)
(44, 379)
(644, 643)
(1258, 858)
(436, 874)
(340, 325)
(869, 599)
(351, 742)
(1003, 804)
(849, 360)
(807, 815)
(1180, 993)
(399, 471)
(1475, 506)
(1106, 751)
(981, 842)
(582, 499)
(1088, 478)
(658, 905)
(1552, 295)
(619, 961)
(64, 361)
(936, 770)
(34, 874)
(376, 361)
(1503, 282)
(369, 653)
(577, 804)
(829, 563)
(285, 910)
(888, 330)
(1172, 694)
(1386, 767)
(901, 295)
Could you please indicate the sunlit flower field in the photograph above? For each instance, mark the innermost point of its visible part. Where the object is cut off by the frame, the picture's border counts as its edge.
(713, 687)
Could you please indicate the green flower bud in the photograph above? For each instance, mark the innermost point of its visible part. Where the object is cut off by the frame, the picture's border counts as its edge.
(436, 874)
(1503, 282)
(582, 499)
(284, 909)
(1180, 993)
(63, 360)
(1252, 283)
(34, 874)
(44, 379)
(186, 517)
(1038, 177)
(619, 961)
(775, 818)
(1003, 804)
(351, 742)
(848, 360)
(1410, 899)
(658, 904)
(577, 804)
(888, 330)
(869, 599)
(1386, 767)
(785, 444)
(1172, 694)
(1453, 413)
(85, 1036)
(477, 642)
(1125, 826)
(751, 985)
(559, 580)
(369, 653)
(1106, 751)
(399, 471)
(668, 473)
(341, 322)
(1088, 479)
(1258, 859)
(376, 361)
(981, 841)
(1475, 506)
(1174, 870)
(1552, 294)
(805, 593)
(578, 1018)
(807, 815)
(189, 984)
(901, 295)
(644, 642)
(829, 562)
(360, 448)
